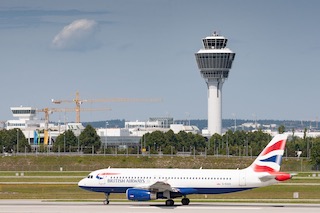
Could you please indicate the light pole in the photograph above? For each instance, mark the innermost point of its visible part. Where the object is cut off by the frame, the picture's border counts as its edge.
(64, 135)
(17, 141)
(78, 144)
(106, 142)
(235, 121)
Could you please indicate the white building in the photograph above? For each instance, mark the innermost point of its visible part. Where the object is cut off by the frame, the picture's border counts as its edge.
(26, 119)
(33, 127)
(176, 128)
(112, 132)
(139, 128)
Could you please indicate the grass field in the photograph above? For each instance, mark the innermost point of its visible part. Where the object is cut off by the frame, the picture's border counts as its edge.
(89, 163)
(63, 185)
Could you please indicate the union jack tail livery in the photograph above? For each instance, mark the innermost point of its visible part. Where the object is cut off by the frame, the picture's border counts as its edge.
(270, 159)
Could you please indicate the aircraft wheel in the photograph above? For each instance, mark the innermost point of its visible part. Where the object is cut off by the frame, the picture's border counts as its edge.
(169, 202)
(106, 201)
(185, 201)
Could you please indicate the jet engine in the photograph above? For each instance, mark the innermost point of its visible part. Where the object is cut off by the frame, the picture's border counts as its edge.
(140, 195)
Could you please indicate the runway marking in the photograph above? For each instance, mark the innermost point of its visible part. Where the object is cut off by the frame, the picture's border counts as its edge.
(199, 207)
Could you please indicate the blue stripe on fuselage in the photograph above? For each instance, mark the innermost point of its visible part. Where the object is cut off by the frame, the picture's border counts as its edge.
(185, 191)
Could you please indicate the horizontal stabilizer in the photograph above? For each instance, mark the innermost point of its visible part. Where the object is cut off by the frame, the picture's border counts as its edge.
(279, 176)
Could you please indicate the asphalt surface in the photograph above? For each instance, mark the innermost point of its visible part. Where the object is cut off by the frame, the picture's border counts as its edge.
(37, 206)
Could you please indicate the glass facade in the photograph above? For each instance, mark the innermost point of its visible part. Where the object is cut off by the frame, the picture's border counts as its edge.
(215, 74)
(214, 60)
(24, 111)
(120, 140)
(214, 43)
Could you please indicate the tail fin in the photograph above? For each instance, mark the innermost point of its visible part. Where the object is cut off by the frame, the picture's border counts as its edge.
(270, 158)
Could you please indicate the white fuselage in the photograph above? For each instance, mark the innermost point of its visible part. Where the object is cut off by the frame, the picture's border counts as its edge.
(192, 181)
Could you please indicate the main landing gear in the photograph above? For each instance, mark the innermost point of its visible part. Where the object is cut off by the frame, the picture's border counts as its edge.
(106, 201)
(184, 201)
(169, 202)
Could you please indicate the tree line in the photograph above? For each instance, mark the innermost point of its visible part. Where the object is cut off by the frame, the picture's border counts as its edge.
(14, 141)
(232, 143)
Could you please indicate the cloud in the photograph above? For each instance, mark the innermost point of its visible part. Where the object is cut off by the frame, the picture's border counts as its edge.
(77, 36)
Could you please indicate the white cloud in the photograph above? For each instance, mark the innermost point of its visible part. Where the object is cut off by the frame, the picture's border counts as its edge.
(79, 35)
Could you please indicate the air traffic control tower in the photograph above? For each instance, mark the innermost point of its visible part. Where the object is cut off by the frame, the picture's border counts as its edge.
(214, 61)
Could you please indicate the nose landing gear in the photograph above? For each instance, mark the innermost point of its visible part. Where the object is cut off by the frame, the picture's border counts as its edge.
(106, 201)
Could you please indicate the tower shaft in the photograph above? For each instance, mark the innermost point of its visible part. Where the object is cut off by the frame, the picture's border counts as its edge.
(214, 105)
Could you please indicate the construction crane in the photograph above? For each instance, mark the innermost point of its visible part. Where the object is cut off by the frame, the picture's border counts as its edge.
(47, 111)
(78, 102)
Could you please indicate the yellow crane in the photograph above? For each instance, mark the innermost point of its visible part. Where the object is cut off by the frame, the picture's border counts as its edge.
(79, 101)
(47, 111)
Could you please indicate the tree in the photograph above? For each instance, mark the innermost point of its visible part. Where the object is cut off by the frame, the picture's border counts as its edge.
(185, 142)
(88, 139)
(13, 140)
(155, 140)
(65, 142)
(199, 142)
(315, 153)
(215, 144)
(281, 129)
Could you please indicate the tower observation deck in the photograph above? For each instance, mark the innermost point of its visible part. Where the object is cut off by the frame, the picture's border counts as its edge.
(214, 62)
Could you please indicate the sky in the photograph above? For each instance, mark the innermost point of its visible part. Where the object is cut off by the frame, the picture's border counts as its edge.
(145, 49)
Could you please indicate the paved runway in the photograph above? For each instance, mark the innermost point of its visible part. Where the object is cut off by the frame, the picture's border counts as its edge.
(36, 206)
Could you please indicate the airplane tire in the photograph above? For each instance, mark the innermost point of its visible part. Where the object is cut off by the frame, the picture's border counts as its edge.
(185, 201)
(169, 202)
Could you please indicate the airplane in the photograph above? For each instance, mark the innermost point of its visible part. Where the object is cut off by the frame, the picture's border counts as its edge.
(152, 184)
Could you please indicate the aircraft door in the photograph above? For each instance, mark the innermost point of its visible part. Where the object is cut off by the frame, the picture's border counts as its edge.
(102, 181)
(242, 178)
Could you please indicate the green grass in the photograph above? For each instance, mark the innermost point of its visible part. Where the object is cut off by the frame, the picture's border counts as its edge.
(11, 189)
(89, 163)
(40, 180)
(43, 173)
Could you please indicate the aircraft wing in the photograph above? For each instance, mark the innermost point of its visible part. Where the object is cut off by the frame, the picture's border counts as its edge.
(158, 186)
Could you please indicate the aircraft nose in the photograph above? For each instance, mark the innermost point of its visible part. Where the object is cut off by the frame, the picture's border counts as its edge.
(82, 182)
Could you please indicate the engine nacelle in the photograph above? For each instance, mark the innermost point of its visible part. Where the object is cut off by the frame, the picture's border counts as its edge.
(140, 195)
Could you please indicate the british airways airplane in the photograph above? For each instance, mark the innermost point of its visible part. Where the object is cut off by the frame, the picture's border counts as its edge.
(152, 184)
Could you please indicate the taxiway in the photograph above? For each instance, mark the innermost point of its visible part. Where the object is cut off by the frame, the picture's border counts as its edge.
(37, 206)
